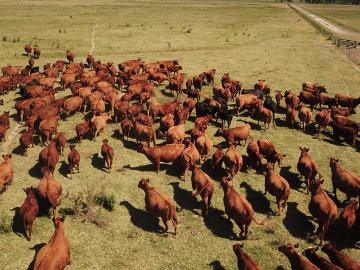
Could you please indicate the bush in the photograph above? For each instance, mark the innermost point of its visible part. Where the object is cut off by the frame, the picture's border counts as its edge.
(105, 200)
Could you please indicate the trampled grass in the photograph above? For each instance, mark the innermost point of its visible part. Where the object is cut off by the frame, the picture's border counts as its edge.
(250, 41)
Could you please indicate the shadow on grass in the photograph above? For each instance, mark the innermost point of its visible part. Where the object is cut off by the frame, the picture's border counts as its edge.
(292, 178)
(219, 225)
(214, 174)
(130, 145)
(18, 150)
(254, 126)
(296, 222)
(216, 265)
(257, 199)
(167, 93)
(142, 168)
(184, 199)
(37, 248)
(35, 171)
(64, 169)
(17, 223)
(142, 219)
(73, 140)
(98, 162)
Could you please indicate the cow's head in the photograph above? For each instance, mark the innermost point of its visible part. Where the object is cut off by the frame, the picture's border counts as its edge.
(7, 157)
(220, 132)
(237, 248)
(58, 222)
(28, 190)
(105, 141)
(143, 183)
(333, 162)
(72, 146)
(304, 150)
(1, 102)
(288, 248)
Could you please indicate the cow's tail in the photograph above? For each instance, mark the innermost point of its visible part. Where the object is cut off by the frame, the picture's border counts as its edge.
(263, 221)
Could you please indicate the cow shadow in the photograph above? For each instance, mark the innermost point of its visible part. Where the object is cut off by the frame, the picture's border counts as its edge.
(296, 222)
(257, 199)
(98, 162)
(142, 168)
(184, 199)
(167, 93)
(130, 145)
(17, 223)
(18, 150)
(254, 126)
(117, 135)
(35, 171)
(142, 219)
(214, 174)
(64, 169)
(292, 178)
(216, 265)
(37, 248)
(219, 225)
(280, 122)
(73, 140)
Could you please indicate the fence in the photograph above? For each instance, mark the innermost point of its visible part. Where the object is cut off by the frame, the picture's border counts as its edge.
(346, 43)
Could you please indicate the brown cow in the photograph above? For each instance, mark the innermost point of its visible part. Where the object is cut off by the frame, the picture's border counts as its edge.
(204, 145)
(233, 161)
(342, 111)
(296, 260)
(126, 127)
(253, 152)
(70, 56)
(268, 151)
(37, 53)
(278, 97)
(202, 122)
(340, 259)
(72, 105)
(344, 180)
(167, 121)
(3, 131)
(322, 208)
(203, 186)
(49, 157)
(238, 208)
(348, 133)
(234, 135)
(83, 129)
(107, 153)
(326, 100)
(244, 261)
(26, 139)
(305, 116)
(319, 261)
(47, 127)
(277, 186)
(323, 119)
(165, 153)
(56, 253)
(144, 133)
(344, 121)
(217, 158)
(175, 134)
(99, 123)
(347, 219)
(6, 171)
(309, 98)
(158, 204)
(307, 167)
(263, 114)
(163, 109)
(74, 160)
(347, 101)
(243, 101)
(144, 119)
(28, 49)
(50, 190)
(28, 211)
(189, 156)
(190, 103)
(182, 115)
(61, 140)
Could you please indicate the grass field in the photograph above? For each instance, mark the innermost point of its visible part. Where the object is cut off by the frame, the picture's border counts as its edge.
(346, 16)
(250, 41)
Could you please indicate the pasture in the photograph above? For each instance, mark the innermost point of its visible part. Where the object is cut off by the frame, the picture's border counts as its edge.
(249, 40)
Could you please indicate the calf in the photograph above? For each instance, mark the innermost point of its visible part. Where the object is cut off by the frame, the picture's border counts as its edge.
(26, 139)
(297, 261)
(166, 153)
(73, 159)
(277, 186)
(28, 211)
(83, 129)
(344, 180)
(56, 253)
(203, 186)
(233, 161)
(319, 261)
(340, 259)
(244, 261)
(217, 158)
(6, 171)
(158, 204)
(322, 208)
(61, 140)
(307, 167)
(50, 191)
(234, 135)
(107, 153)
(268, 151)
(305, 116)
(237, 208)
(144, 133)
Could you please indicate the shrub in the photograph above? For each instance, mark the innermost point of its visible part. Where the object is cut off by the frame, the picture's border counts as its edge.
(105, 200)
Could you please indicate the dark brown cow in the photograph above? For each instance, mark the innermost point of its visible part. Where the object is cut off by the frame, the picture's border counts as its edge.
(166, 153)
(344, 180)
(322, 208)
(297, 261)
(28, 211)
(56, 253)
(37, 53)
(50, 190)
(347, 101)
(342, 111)
(158, 204)
(203, 186)
(268, 151)
(307, 167)
(26, 139)
(278, 97)
(309, 98)
(238, 208)
(244, 261)
(70, 56)
(344, 121)
(326, 100)
(347, 219)
(340, 259)
(234, 135)
(107, 153)
(74, 160)
(348, 133)
(319, 261)
(83, 129)
(277, 186)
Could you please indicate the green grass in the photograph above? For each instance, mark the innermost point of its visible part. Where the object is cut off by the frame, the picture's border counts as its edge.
(348, 17)
(265, 40)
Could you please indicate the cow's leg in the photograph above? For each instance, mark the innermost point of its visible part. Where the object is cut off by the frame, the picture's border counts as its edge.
(206, 205)
(30, 230)
(165, 223)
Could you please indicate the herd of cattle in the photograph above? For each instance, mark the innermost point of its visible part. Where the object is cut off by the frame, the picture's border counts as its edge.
(127, 94)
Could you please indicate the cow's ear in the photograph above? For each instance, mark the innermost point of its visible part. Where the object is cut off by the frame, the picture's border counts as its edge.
(24, 190)
(10, 156)
(284, 155)
(147, 180)
(322, 181)
(317, 248)
(337, 160)
(3, 156)
(307, 149)
(296, 245)
(300, 148)
(241, 245)
(62, 218)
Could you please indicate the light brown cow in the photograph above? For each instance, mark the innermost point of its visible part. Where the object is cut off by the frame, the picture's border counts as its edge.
(28, 211)
(204, 145)
(55, 255)
(99, 123)
(234, 135)
(158, 204)
(305, 116)
(6, 171)
(233, 161)
(50, 190)
(243, 101)
(307, 166)
(72, 105)
(175, 134)
(47, 127)
(107, 153)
